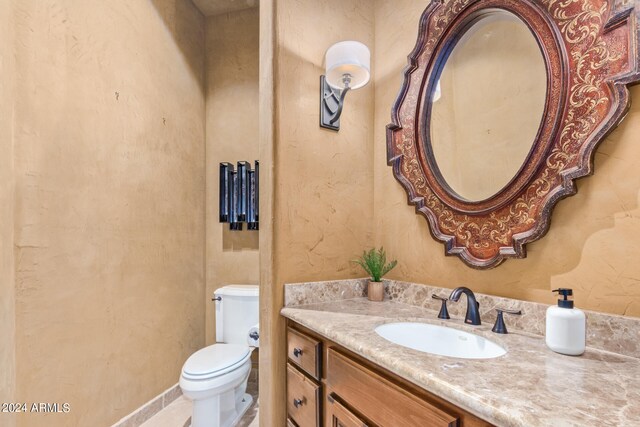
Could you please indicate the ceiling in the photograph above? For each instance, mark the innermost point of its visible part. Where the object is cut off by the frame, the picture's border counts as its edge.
(216, 7)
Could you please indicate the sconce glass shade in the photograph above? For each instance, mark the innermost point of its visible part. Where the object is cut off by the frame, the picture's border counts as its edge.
(348, 57)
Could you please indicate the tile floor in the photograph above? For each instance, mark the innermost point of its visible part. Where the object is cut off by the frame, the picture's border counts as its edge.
(178, 413)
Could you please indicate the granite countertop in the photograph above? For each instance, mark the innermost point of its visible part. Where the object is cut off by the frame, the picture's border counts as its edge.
(529, 386)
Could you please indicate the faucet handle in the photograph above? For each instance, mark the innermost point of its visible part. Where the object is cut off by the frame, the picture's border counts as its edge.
(500, 327)
(444, 313)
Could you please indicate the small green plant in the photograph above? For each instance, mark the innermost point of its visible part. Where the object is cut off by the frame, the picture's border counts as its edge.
(374, 262)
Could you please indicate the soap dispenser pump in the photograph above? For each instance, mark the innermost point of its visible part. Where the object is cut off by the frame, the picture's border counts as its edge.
(566, 326)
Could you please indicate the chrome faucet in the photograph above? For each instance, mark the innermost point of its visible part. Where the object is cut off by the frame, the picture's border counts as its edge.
(473, 315)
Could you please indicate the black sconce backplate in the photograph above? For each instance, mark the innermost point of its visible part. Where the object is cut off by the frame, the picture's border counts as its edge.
(329, 105)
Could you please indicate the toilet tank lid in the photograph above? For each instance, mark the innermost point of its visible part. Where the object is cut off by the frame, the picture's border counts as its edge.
(238, 290)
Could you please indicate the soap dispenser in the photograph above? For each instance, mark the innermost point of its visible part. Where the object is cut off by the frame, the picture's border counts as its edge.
(566, 326)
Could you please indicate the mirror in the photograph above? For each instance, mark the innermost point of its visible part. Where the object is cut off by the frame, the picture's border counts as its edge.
(483, 122)
(502, 106)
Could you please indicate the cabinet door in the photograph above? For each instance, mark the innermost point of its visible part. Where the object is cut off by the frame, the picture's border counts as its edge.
(339, 416)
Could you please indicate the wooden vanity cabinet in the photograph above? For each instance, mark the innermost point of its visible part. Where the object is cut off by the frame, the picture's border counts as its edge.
(333, 387)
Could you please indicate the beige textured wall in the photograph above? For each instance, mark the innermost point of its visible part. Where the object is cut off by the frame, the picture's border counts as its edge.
(7, 282)
(323, 183)
(591, 245)
(216, 7)
(232, 136)
(110, 178)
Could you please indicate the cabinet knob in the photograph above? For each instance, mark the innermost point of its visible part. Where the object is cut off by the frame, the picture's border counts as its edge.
(297, 402)
(297, 352)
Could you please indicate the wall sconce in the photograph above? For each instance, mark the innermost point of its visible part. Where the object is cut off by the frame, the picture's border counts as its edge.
(347, 68)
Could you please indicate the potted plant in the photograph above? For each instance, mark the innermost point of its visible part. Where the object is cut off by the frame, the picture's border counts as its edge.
(374, 262)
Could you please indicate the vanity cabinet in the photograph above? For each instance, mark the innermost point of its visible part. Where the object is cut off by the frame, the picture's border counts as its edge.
(329, 386)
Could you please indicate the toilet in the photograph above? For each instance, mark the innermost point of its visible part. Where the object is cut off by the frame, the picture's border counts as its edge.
(215, 377)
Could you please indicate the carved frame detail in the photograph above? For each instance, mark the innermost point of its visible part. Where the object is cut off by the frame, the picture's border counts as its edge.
(590, 49)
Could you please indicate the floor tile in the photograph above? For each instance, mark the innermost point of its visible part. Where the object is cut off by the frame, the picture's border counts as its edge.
(178, 413)
(175, 415)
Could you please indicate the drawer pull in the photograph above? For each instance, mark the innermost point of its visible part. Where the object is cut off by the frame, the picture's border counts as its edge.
(297, 403)
(297, 352)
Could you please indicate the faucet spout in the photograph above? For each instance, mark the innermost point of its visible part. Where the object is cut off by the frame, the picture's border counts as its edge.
(473, 315)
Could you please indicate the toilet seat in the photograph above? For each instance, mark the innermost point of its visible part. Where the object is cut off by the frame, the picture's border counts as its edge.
(215, 360)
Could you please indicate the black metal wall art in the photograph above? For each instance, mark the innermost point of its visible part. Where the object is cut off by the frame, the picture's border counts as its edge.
(239, 199)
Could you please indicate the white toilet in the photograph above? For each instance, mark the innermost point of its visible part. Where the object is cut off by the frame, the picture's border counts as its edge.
(215, 377)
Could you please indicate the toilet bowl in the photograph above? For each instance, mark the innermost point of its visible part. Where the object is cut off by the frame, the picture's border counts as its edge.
(215, 377)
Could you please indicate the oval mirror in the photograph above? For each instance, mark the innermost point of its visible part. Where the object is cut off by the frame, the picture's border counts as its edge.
(501, 108)
(487, 106)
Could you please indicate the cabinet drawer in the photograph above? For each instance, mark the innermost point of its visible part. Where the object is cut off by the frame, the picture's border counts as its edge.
(305, 352)
(383, 402)
(303, 399)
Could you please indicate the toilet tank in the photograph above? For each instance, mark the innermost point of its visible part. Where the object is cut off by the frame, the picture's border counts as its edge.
(236, 312)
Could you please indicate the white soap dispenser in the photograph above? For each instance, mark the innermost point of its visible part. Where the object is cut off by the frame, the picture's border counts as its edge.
(566, 326)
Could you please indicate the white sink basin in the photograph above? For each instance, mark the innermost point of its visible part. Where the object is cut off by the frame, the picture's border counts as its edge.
(440, 340)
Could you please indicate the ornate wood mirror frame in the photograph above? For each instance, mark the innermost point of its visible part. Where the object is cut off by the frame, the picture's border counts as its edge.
(590, 50)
